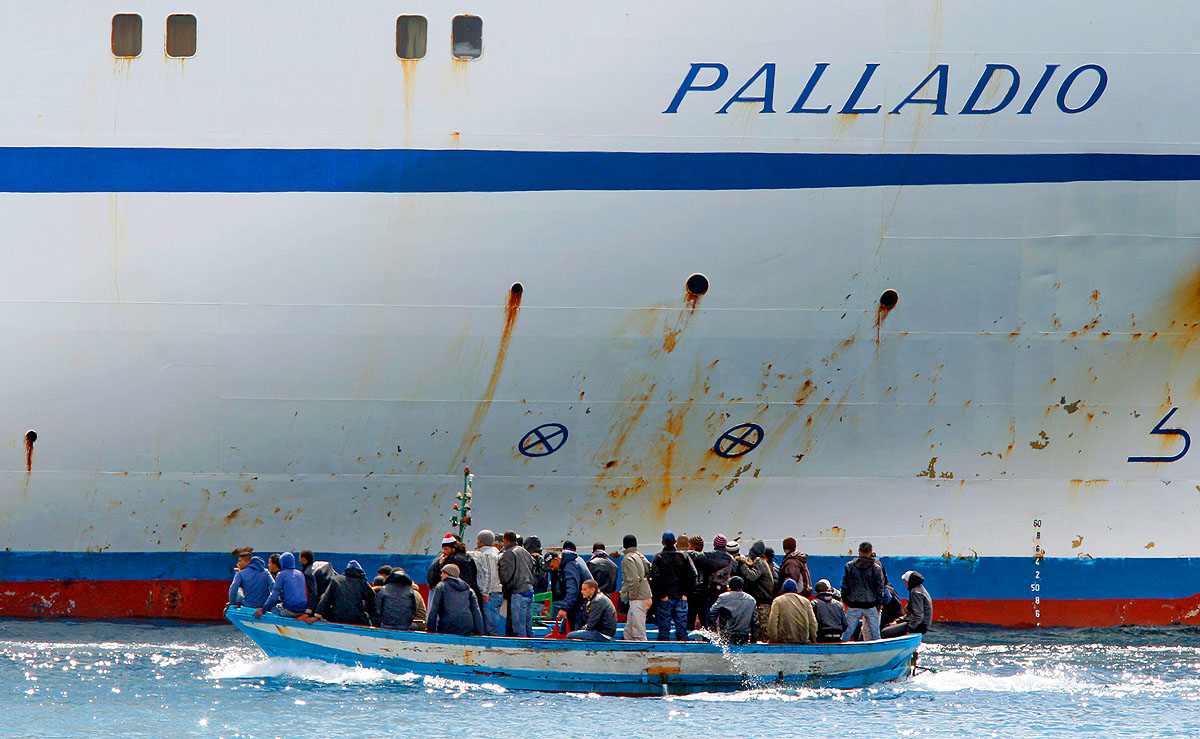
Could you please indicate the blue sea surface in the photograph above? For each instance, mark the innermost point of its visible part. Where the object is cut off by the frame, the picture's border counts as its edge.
(165, 679)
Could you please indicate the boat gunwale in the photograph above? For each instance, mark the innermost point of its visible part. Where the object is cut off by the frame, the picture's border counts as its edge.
(907, 642)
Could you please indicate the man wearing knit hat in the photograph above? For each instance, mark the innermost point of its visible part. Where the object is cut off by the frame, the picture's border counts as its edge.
(672, 576)
(696, 606)
(454, 552)
(453, 607)
(491, 593)
(791, 619)
(716, 567)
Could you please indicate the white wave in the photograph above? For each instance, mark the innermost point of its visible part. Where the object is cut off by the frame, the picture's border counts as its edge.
(1061, 680)
(237, 667)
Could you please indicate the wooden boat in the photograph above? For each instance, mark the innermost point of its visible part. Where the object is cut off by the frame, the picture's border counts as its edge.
(562, 665)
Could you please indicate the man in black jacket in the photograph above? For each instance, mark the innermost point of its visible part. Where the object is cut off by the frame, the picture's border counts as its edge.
(603, 569)
(601, 616)
(316, 579)
(349, 598)
(830, 613)
(454, 552)
(862, 592)
(672, 577)
(716, 567)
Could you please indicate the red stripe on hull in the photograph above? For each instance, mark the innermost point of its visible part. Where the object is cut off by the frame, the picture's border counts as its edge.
(199, 600)
(204, 600)
(1072, 613)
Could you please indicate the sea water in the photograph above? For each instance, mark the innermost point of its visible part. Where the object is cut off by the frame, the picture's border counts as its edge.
(165, 679)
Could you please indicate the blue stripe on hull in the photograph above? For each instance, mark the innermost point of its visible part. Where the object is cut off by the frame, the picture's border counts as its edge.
(985, 578)
(104, 169)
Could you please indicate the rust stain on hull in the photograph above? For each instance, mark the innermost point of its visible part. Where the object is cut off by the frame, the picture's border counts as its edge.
(28, 455)
(511, 308)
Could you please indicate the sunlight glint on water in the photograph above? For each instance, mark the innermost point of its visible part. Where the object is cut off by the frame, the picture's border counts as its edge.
(61, 679)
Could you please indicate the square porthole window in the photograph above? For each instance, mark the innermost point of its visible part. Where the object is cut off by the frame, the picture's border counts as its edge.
(411, 32)
(181, 36)
(466, 36)
(127, 35)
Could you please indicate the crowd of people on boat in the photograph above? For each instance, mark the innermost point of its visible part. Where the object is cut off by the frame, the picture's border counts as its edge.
(684, 588)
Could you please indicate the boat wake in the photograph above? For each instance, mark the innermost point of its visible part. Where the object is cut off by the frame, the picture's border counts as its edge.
(243, 666)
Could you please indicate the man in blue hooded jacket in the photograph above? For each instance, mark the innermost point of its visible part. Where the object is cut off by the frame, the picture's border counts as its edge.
(255, 583)
(574, 574)
(289, 591)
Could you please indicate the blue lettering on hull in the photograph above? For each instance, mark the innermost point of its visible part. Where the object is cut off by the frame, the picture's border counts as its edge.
(1078, 91)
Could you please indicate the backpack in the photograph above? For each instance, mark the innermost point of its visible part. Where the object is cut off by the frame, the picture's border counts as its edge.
(720, 579)
(539, 573)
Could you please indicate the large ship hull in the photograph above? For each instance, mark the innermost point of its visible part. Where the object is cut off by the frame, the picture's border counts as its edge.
(267, 298)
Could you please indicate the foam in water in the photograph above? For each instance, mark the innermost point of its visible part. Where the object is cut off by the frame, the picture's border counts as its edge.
(239, 666)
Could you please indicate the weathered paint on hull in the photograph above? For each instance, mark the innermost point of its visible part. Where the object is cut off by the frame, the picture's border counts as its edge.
(298, 337)
(193, 600)
(616, 668)
(1071, 592)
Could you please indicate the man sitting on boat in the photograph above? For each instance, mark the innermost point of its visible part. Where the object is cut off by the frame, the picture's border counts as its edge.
(453, 607)
(252, 580)
(791, 620)
(830, 614)
(918, 612)
(735, 614)
(601, 622)
(349, 598)
(573, 573)
(289, 596)
(398, 603)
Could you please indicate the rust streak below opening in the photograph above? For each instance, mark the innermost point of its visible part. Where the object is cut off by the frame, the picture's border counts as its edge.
(484, 404)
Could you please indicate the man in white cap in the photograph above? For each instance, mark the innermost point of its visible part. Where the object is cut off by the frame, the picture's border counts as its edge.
(918, 612)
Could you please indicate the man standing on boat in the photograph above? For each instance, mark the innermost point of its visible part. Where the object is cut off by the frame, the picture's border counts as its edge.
(453, 607)
(862, 592)
(454, 552)
(716, 567)
(603, 569)
(672, 576)
(795, 566)
(515, 570)
(601, 624)
(491, 593)
(635, 589)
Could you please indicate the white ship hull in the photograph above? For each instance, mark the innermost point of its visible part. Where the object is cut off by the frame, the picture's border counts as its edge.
(262, 296)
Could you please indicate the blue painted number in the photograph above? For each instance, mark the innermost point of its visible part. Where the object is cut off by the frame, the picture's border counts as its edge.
(1158, 429)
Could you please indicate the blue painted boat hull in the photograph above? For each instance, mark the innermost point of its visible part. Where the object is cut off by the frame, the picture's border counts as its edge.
(614, 668)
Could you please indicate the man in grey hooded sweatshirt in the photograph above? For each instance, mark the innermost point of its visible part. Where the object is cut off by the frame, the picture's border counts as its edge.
(918, 612)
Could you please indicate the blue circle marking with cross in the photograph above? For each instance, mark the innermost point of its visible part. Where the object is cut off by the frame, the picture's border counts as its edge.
(739, 440)
(543, 440)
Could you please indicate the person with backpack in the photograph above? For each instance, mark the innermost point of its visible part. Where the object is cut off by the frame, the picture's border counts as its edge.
(635, 589)
(696, 606)
(716, 567)
(672, 577)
